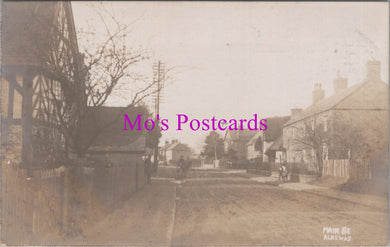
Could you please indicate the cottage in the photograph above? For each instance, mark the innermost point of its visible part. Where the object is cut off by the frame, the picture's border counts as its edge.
(27, 108)
(172, 151)
(267, 145)
(235, 143)
(319, 133)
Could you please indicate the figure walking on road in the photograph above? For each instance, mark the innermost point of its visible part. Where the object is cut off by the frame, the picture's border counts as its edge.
(188, 165)
(180, 168)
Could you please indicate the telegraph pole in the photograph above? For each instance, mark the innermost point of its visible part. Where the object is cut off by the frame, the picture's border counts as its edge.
(158, 71)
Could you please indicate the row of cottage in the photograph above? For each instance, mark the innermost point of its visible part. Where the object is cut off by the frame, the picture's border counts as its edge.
(325, 128)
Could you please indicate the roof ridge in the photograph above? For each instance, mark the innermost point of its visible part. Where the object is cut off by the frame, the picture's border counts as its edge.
(350, 91)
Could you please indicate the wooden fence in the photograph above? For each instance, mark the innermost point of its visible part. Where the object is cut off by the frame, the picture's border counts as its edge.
(361, 170)
(32, 205)
(336, 168)
(41, 207)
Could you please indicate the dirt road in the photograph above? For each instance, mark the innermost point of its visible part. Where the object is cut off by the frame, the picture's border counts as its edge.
(215, 208)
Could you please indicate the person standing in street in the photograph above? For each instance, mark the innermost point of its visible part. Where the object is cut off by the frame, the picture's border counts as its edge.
(188, 165)
(284, 172)
(280, 172)
(180, 167)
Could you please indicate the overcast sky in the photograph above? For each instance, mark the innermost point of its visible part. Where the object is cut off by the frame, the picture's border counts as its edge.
(236, 59)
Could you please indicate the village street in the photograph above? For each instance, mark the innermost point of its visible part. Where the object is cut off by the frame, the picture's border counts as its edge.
(220, 208)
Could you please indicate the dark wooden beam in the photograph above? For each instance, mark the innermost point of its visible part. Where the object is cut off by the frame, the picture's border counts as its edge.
(12, 82)
(27, 152)
(11, 100)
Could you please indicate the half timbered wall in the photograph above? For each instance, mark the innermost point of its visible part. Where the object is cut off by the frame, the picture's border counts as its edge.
(29, 126)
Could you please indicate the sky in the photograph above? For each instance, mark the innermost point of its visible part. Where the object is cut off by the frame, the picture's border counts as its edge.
(236, 59)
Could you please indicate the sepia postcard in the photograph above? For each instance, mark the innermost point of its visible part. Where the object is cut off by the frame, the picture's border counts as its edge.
(184, 123)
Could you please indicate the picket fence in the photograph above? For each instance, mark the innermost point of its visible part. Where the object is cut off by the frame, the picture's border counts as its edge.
(336, 168)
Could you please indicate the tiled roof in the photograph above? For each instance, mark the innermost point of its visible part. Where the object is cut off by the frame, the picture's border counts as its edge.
(178, 146)
(241, 135)
(277, 145)
(330, 102)
(275, 127)
(24, 26)
(172, 146)
(166, 146)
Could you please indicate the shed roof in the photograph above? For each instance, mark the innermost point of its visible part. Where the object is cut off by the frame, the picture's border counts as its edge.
(110, 122)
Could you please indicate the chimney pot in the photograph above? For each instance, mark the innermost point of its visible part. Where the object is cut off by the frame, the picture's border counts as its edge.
(296, 112)
(318, 93)
(339, 83)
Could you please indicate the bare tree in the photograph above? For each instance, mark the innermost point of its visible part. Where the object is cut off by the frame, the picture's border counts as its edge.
(346, 136)
(74, 82)
(311, 135)
(360, 140)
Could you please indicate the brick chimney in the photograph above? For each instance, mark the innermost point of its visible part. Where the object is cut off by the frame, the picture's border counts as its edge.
(373, 70)
(296, 112)
(339, 83)
(318, 93)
